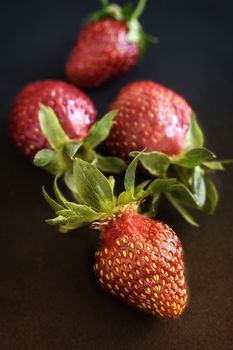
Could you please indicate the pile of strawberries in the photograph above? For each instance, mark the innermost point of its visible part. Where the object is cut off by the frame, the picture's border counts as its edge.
(148, 129)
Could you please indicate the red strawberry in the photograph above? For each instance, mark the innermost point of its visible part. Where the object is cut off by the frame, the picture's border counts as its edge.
(107, 46)
(73, 108)
(101, 52)
(140, 261)
(149, 116)
(156, 120)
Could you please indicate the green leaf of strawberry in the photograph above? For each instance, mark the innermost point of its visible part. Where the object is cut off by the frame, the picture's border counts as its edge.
(109, 164)
(193, 157)
(104, 3)
(55, 162)
(94, 190)
(99, 131)
(129, 180)
(93, 187)
(211, 196)
(60, 159)
(79, 214)
(59, 220)
(51, 202)
(72, 148)
(185, 196)
(162, 185)
(217, 164)
(178, 206)
(156, 163)
(199, 186)
(58, 194)
(51, 128)
(44, 157)
(128, 195)
(194, 137)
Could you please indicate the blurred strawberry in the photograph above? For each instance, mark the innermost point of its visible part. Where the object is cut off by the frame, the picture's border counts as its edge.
(107, 46)
(150, 116)
(74, 109)
(156, 120)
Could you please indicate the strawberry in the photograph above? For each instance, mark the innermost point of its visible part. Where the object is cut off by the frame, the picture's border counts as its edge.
(56, 136)
(107, 46)
(138, 260)
(157, 120)
(141, 262)
(149, 116)
(74, 110)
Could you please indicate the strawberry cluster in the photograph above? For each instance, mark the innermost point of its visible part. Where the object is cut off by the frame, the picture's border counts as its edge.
(149, 129)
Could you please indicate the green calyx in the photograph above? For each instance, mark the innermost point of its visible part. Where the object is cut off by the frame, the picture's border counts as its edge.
(95, 197)
(129, 15)
(181, 179)
(54, 160)
(195, 189)
(59, 159)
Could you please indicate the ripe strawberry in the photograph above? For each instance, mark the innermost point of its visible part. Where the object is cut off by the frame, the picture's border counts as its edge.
(157, 120)
(138, 260)
(73, 108)
(149, 116)
(107, 46)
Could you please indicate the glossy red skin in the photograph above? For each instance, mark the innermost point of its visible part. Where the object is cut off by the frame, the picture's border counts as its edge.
(150, 116)
(100, 53)
(140, 261)
(73, 108)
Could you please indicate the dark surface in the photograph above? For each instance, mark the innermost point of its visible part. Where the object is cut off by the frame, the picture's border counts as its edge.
(48, 296)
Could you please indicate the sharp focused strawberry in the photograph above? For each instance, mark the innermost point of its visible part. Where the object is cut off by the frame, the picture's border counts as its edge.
(141, 262)
(149, 116)
(138, 260)
(73, 108)
(107, 46)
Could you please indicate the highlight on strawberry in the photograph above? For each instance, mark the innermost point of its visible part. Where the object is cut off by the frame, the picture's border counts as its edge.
(59, 158)
(74, 109)
(138, 260)
(109, 44)
(158, 120)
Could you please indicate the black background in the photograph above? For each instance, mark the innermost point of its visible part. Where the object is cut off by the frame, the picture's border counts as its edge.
(48, 296)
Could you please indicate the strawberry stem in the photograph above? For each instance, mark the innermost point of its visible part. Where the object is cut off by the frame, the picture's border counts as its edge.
(139, 9)
(104, 3)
